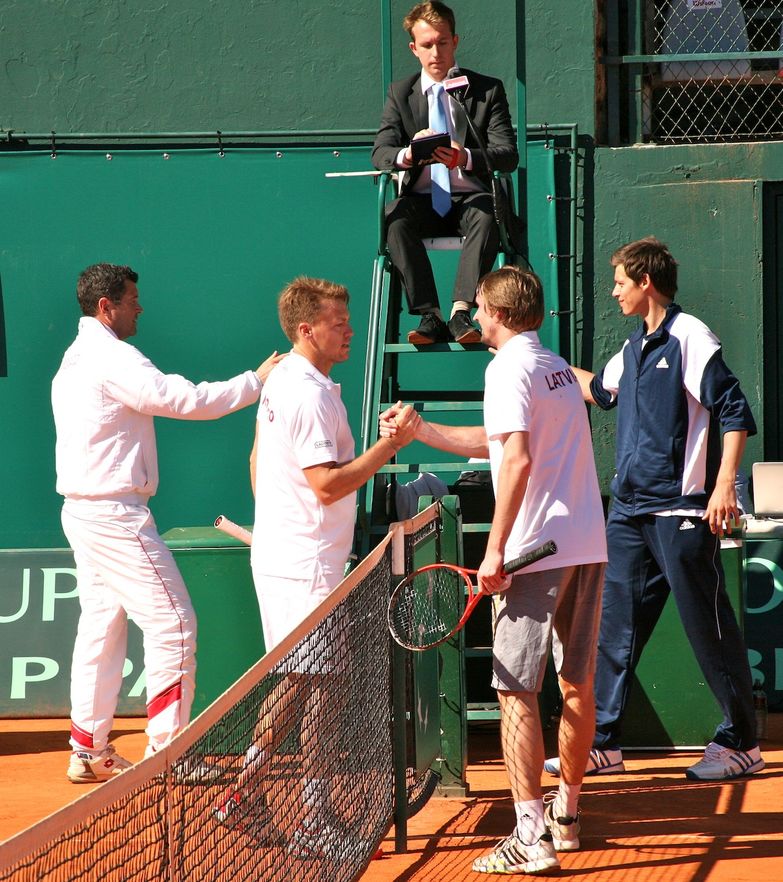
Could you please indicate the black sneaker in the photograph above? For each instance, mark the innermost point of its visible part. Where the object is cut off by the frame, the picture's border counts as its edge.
(462, 328)
(431, 330)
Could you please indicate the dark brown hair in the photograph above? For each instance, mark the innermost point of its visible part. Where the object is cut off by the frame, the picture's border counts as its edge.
(102, 280)
(650, 257)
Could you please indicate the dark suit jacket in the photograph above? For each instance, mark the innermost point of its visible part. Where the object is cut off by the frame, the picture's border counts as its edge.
(406, 112)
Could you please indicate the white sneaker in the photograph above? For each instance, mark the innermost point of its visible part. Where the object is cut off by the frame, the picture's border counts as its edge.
(511, 855)
(229, 811)
(564, 830)
(325, 841)
(600, 762)
(721, 763)
(88, 767)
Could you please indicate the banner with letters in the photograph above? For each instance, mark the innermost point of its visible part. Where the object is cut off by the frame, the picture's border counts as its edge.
(763, 571)
(39, 612)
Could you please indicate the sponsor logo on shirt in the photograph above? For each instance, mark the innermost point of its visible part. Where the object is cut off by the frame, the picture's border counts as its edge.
(560, 378)
(320, 444)
(687, 524)
(662, 363)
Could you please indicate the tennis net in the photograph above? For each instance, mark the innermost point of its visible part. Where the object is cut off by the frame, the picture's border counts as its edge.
(304, 735)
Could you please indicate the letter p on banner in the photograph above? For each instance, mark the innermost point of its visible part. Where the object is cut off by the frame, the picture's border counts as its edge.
(22, 673)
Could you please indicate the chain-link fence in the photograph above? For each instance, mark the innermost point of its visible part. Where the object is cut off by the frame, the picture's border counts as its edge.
(706, 70)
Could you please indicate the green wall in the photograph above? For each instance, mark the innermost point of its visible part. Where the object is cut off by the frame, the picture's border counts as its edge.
(306, 66)
(104, 65)
(704, 201)
(560, 60)
(213, 240)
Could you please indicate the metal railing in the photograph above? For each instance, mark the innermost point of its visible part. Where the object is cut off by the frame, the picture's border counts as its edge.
(694, 71)
(564, 139)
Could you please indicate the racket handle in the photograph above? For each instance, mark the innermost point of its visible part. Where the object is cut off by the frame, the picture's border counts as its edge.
(531, 557)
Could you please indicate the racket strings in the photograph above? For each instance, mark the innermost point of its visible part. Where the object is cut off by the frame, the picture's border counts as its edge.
(429, 607)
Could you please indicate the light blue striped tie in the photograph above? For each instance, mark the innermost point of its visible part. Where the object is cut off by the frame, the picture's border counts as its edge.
(441, 182)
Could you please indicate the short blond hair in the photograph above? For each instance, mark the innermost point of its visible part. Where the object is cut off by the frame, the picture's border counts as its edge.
(301, 301)
(434, 13)
(518, 293)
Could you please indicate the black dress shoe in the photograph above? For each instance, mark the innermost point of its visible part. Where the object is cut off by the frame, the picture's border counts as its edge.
(431, 330)
(462, 328)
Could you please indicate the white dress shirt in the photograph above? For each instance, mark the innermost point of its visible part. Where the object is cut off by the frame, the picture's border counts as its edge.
(460, 183)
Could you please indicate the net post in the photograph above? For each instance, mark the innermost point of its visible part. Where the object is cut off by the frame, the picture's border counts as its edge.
(399, 745)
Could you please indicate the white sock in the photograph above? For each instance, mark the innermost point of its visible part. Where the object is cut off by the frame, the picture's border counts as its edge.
(315, 794)
(530, 820)
(254, 756)
(566, 802)
(458, 306)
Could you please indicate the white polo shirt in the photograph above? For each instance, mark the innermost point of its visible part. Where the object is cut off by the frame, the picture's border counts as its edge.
(104, 398)
(302, 422)
(530, 389)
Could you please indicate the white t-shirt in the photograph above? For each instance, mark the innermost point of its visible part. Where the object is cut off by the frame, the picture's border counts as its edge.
(302, 422)
(530, 389)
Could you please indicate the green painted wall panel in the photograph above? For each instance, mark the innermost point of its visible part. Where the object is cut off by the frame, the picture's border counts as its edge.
(89, 65)
(214, 240)
(561, 64)
(39, 611)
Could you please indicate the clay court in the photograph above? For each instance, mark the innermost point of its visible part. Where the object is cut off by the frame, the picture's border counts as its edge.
(648, 825)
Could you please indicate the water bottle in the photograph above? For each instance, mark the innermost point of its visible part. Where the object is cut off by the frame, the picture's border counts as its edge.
(760, 708)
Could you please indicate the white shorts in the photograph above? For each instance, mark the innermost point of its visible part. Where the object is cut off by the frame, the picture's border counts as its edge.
(285, 603)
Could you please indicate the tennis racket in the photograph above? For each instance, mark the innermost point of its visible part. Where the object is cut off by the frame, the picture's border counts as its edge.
(424, 609)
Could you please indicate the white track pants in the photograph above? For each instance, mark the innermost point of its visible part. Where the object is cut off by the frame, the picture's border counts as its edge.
(125, 570)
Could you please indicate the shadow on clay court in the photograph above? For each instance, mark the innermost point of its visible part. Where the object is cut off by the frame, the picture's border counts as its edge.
(20, 743)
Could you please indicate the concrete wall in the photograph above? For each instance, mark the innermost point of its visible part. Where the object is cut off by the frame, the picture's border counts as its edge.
(104, 65)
